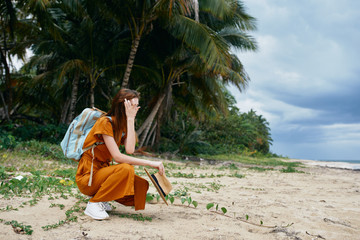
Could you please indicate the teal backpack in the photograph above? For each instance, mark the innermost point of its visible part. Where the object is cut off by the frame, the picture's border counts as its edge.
(72, 143)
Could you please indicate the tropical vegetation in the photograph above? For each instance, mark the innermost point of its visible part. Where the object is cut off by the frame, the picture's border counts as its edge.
(179, 54)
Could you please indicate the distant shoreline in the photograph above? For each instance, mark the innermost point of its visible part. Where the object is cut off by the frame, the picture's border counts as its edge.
(347, 161)
(332, 163)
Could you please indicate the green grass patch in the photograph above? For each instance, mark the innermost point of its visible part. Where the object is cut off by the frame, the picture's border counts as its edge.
(36, 186)
(19, 227)
(136, 217)
(232, 166)
(34, 156)
(253, 161)
(237, 175)
(261, 169)
(3, 174)
(65, 173)
(290, 170)
(45, 149)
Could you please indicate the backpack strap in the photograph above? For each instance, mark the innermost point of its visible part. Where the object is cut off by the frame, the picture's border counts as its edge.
(92, 165)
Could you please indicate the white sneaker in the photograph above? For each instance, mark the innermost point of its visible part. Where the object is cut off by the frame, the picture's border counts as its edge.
(96, 210)
(107, 206)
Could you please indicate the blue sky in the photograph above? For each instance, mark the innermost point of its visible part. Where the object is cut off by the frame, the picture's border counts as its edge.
(305, 77)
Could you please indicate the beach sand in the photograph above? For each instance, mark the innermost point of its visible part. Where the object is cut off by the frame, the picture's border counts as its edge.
(321, 203)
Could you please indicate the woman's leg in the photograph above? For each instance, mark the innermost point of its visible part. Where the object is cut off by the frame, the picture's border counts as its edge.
(113, 182)
(119, 182)
(139, 198)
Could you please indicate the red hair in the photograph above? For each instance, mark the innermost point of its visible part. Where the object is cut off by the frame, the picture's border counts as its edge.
(118, 110)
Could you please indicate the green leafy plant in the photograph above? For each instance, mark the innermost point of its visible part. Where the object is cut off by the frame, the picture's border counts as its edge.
(237, 175)
(189, 201)
(70, 214)
(136, 217)
(215, 186)
(211, 205)
(150, 197)
(3, 174)
(290, 169)
(65, 173)
(183, 175)
(170, 197)
(61, 206)
(20, 227)
(8, 208)
(7, 141)
(232, 166)
(261, 169)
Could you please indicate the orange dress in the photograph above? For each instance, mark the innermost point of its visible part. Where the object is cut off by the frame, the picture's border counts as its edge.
(109, 182)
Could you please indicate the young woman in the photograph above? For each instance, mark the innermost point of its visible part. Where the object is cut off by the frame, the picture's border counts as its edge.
(104, 182)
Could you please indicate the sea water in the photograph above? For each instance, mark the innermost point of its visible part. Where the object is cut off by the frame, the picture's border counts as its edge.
(347, 161)
(345, 164)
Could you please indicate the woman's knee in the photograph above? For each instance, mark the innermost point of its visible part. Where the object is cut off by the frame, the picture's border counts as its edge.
(142, 182)
(126, 168)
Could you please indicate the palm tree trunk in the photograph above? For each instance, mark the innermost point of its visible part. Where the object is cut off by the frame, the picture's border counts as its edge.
(92, 92)
(130, 63)
(6, 113)
(158, 125)
(166, 106)
(196, 9)
(92, 97)
(8, 89)
(144, 129)
(153, 140)
(74, 93)
(150, 134)
(64, 111)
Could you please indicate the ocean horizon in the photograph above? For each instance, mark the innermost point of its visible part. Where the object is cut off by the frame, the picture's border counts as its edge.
(336, 160)
(335, 163)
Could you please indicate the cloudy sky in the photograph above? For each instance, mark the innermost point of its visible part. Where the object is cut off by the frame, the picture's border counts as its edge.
(305, 77)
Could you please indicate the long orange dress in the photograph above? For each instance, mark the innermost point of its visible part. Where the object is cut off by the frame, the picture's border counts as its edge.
(109, 182)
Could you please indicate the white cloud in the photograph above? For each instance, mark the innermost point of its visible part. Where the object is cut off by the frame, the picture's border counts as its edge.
(277, 113)
(18, 63)
(306, 66)
(345, 133)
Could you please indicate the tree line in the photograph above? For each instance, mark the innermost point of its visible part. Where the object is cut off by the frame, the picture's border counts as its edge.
(177, 53)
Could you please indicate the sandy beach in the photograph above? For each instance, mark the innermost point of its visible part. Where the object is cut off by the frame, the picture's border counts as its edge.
(317, 203)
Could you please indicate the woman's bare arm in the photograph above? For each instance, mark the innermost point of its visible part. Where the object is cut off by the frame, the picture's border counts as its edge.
(122, 158)
(131, 108)
(130, 140)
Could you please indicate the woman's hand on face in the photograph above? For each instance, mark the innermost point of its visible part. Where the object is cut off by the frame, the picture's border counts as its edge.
(131, 107)
(159, 166)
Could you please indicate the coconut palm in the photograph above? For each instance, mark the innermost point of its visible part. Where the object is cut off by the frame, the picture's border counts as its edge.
(89, 46)
(20, 22)
(139, 15)
(184, 60)
(200, 62)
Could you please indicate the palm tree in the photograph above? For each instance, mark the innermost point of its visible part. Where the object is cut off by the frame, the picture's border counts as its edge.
(19, 26)
(139, 16)
(88, 47)
(8, 21)
(186, 59)
(201, 62)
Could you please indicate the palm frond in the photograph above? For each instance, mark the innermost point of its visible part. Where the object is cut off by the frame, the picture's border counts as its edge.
(217, 8)
(238, 39)
(73, 65)
(211, 48)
